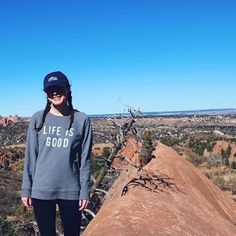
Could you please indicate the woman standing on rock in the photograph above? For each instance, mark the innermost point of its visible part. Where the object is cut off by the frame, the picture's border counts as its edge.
(57, 160)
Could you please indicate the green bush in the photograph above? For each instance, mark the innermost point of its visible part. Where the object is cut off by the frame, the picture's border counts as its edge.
(226, 153)
(226, 161)
(199, 145)
(170, 141)
(233, 165)
(147, 146)
(99, 161)
(106, 152)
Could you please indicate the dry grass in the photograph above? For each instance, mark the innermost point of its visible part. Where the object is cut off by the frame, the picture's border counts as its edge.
(224, 178)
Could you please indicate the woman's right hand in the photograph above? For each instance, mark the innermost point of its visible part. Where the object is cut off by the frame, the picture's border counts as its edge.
(27, 201)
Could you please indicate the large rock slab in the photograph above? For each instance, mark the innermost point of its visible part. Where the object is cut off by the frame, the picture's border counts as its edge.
(168, 197)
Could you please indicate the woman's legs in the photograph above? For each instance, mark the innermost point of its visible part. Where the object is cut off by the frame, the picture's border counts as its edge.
(70, 216)
(45, 214)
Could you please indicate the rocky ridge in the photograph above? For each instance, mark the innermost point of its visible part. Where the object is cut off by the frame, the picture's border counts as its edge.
(169, 196)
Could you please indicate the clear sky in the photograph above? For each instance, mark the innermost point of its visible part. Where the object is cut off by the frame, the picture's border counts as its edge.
(156, 55)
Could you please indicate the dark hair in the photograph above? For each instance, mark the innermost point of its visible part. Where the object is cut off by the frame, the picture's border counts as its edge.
(47, 109)
(72, 110)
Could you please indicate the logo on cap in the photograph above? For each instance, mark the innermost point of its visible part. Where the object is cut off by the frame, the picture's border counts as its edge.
(52, 79)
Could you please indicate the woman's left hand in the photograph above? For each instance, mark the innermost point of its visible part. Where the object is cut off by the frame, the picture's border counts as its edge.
(83, 204)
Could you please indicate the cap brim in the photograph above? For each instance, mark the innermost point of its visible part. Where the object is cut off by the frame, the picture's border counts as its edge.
(54, 84)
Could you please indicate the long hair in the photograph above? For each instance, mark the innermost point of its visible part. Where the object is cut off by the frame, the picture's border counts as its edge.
(72, 110)
(48, 107)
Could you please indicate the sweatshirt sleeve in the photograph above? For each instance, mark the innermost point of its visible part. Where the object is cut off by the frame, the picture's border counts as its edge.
(31, 152)
(85, 162)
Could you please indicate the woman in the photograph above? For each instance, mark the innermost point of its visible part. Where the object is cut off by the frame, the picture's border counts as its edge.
(57, 160)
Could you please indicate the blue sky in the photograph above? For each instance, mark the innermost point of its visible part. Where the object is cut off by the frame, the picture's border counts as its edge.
(156, 55)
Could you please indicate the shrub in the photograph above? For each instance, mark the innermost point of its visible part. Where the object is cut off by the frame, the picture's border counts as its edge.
(232, 183)
(220, 182)
(199, 145)
(233, 165)
(226, 153)
(18, 166)
(106, 152)
(196, 159)
(170, 141)
(214, 161)
(15, 227)
(226, 161)
(147, 146)
(98, 162)
(208, 174)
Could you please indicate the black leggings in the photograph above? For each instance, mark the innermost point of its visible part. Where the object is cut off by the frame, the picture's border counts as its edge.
(45, 214)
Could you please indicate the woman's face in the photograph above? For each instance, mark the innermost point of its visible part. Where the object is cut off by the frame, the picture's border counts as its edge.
(57, 95)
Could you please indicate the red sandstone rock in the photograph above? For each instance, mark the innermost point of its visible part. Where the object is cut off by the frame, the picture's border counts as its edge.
(13, 119)
(185, 203)
(5, 121)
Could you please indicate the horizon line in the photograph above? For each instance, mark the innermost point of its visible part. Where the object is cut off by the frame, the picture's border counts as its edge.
(147, 112)
(173, 112)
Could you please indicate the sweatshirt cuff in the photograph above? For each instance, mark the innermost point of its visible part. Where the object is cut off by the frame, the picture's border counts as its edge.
(84, 195)
(26, 193)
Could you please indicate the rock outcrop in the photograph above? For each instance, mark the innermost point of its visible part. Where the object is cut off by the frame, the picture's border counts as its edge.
(168, 197)
(6, 120)
(3, 121)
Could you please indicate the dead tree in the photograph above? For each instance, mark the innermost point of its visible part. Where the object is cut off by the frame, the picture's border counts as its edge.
(123, 127)
(118, 143)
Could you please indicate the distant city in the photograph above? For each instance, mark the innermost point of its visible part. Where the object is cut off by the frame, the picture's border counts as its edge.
(225, 111)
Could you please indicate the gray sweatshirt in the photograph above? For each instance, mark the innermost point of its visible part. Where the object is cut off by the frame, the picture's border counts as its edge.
(57, 160)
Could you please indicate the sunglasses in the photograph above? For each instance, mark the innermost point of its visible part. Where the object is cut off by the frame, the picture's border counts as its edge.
(55, 89)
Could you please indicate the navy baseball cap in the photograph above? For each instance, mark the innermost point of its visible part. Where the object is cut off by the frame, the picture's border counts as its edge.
(56, 78)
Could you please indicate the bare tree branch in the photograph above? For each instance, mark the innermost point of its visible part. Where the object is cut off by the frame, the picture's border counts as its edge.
(120, 141)
(101, 134)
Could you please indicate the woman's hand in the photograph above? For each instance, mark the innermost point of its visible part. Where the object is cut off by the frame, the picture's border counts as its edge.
(27, 201)
(83, 204)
